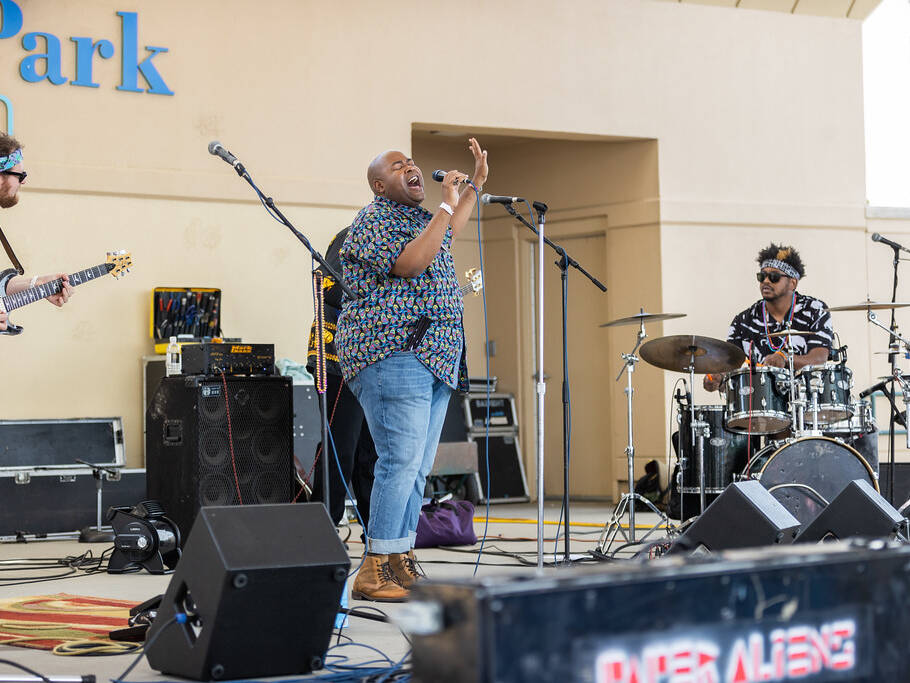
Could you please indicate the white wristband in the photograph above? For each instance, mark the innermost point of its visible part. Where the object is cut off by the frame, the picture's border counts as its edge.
(32, 283)
(448, 209)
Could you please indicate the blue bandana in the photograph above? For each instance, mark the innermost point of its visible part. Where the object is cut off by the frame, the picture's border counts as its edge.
(6, 163)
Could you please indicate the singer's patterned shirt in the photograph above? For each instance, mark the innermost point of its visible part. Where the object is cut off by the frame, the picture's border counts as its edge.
(810, 314)
(379, 322)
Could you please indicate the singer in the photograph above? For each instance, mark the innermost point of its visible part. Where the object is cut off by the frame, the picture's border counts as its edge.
(401, 349)
(781, 307)
(12, 176)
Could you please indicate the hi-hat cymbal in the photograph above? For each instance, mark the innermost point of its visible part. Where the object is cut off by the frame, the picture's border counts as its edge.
(869, 306)
(676, 353)
(788, 332)
(643, 318)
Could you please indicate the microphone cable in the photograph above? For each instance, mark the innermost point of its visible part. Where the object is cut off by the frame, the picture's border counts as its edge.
(486, 335)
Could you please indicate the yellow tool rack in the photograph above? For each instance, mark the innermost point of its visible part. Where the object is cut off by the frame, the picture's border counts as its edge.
(193, 314)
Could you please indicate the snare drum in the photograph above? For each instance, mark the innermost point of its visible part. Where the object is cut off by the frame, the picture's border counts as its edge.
(758, 400)
(806, 474)
(832, 382)
(724, 451)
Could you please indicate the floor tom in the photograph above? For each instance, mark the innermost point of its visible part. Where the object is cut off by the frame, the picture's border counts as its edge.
(724, 451)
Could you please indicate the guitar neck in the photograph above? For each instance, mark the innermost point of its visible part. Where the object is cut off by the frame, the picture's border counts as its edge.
(33, 294)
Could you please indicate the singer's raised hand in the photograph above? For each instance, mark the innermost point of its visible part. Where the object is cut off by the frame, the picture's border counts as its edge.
(481, 169)
(450, 184)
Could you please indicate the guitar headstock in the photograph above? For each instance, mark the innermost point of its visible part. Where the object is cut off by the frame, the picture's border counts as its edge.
(120, 262)
(475, 280)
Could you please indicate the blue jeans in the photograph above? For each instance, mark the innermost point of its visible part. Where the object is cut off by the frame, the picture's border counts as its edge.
(404, 405)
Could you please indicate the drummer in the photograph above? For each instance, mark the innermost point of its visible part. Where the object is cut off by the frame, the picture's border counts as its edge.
(780, 307)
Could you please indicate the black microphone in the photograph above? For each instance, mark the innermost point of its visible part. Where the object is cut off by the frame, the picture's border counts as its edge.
(884, 240)
(216, 149)
(873, 389)
(498, 199)
(439, 176)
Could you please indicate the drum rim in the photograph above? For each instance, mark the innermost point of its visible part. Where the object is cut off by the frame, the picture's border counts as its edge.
(756, 414)
(823, 422)
(790, 442)
(710, 407)
(830, 364)
(764, 368)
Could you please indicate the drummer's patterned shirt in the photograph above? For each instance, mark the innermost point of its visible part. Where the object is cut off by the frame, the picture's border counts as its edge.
(380, 321)
(748, 328)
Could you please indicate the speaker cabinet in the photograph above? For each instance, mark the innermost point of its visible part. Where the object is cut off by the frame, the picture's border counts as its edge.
(507, 474)
(858, 510)
(743, 516)
(259, 586)
(190, 428)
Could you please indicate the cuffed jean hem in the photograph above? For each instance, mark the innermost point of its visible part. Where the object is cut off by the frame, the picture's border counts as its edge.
(387, 546)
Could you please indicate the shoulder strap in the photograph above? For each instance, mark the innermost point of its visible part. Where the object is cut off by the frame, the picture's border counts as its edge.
(11, 253)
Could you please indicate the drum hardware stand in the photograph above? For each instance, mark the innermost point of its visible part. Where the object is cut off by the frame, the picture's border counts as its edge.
(703, 431)
(896, 377)
(627, 500)
(700, 430)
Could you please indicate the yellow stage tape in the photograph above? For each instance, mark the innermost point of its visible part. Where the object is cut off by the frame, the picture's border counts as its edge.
(511, 520)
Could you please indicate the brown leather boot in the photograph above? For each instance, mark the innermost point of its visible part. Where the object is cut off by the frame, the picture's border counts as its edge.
(376, 581)
(406, 568)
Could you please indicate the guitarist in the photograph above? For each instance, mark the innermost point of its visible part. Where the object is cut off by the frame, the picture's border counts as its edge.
(12, 176)
(351, 435)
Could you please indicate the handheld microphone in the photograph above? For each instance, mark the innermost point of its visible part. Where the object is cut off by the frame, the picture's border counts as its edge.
(499, 199)
(884, 240)
(439, 176)
(217, 150)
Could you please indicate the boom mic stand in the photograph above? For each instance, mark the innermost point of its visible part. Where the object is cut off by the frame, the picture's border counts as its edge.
(317, 257)
(895, 372)
(564, 262)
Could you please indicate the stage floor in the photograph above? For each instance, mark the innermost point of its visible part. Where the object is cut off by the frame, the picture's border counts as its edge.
(512, 532)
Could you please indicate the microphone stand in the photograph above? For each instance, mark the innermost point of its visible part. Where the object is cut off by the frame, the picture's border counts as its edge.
(564, 262)
(270, 205)
(895, 372)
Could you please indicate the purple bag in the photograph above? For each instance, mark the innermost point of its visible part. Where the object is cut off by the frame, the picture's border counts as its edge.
(449, 523)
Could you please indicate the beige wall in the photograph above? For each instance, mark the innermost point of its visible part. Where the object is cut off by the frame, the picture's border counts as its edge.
(758, 118)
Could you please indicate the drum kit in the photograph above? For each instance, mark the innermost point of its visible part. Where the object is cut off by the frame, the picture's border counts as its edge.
(800, 432)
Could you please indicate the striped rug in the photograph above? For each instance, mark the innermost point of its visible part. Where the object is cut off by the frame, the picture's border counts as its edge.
(45, 621)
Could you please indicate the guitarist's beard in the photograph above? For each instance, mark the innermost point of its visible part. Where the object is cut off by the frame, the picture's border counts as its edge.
(8, 202)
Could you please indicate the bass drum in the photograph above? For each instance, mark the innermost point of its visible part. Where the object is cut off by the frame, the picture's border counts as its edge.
(806, 474)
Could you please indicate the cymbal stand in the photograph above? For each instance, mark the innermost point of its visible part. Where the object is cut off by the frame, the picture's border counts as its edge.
(896, 377)
(700, 430)
(627, 501)
(797, 405)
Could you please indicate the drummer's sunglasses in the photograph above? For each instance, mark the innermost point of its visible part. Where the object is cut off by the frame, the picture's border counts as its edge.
(773, 277)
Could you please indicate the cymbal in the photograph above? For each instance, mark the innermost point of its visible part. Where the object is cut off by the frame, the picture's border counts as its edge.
(869, 306)
(643, 318)
(675, 353)
(788, 332)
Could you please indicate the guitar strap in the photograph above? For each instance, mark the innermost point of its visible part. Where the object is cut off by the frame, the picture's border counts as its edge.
(11, 253)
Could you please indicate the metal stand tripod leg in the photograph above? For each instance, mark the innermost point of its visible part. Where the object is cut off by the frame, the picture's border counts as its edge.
(627, 500)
